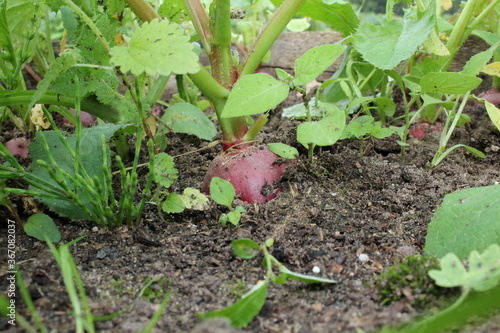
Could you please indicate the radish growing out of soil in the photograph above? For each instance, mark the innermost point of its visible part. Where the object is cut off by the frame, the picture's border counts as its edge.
(236, 93)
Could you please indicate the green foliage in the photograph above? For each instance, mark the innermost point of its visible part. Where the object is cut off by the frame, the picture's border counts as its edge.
(448, 83)
(187, 118)
(483, 273)
(156, 48)
(315, 61)
(243, 311)
(395, 40)
(325, 132)
(49, 146)
(338, 14)
(466, 220)
(165, 172)
(42, 227)
(365, 126)
(223, 193)
(254, 93)
(409, 278)
(283, 150)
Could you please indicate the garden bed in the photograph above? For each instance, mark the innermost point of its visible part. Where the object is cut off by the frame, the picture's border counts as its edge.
(327, 215)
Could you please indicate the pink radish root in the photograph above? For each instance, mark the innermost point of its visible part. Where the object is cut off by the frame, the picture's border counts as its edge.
(253, 171)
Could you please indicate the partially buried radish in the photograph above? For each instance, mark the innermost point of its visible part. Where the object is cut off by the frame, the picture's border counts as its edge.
(254, 172)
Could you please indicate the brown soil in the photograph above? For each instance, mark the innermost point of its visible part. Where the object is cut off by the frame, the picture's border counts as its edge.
(327, 215)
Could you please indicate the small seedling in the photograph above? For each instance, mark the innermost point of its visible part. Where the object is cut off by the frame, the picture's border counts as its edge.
(244, 310)
(223, 193)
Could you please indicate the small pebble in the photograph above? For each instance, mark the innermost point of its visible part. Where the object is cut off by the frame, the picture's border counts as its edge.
(316, 269)
(363, 257)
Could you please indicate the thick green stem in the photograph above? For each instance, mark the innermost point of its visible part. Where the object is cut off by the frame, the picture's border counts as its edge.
(268, 35)
(220, 56)
(91, 105)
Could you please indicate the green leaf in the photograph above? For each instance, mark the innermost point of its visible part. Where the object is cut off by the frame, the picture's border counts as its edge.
(187, 118)
(429, 100)
(156, 48)
(284, 76)
(283, 150)
(173, 204)
(477, 62)
(448, 83)
(234, 216)
(194, 199)
(254, 93)
(385, 46)
(465, 221)
(42, 227)
(245, 248)
(288, 274)
(483, 274)
(315, 61)
(222, 191)
(174, 10)
(386, 106)
(325, 132)
(338, 14)
(243, 311)
(494, 113)
(90, 157)
(165, 172)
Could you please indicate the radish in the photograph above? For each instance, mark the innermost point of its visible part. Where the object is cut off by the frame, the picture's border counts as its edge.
(254, 172)
(18, 146)
(492, 96)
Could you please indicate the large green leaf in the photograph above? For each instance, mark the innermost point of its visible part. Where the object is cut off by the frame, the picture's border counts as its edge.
(254, 93)
(243, 311)
(448, 83)
(386, 45)
(467, 220)
(156, 48)
(90, 157)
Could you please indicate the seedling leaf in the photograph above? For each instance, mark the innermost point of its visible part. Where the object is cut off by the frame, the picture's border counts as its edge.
(315, 61)
(254, 93)
(165, 173)
(478, 61)
(156, 48)
(288, 274)
(245, 248)
(194, 199)
(187, 118)
(324, 132)
(173, 204)
(283, 150)
(465, 221)
(42, 227)
(483, 274)
(243, 311)
(234, 216)
(222, 191)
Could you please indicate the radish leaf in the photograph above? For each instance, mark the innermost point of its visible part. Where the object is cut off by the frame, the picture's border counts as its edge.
(448, 83)
(283, 150)
(187, 118)
(222, 191)
(494, 113)
(254, 93)
(325, 132)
